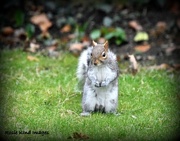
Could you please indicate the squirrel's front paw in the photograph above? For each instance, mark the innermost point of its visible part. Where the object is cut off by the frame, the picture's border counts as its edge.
(97, 84)
(104, 83)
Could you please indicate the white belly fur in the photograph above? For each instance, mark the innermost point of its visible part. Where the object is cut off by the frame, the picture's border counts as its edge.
(106, 96)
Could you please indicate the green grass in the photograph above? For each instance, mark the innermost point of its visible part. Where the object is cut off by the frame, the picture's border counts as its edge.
(42, 96)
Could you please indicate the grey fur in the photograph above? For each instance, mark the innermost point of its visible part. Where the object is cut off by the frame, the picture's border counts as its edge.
(100, 89)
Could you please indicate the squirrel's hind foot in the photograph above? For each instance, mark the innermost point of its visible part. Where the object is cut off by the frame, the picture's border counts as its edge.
(85, 114)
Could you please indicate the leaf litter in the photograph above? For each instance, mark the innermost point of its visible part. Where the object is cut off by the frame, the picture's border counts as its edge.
(71, 29)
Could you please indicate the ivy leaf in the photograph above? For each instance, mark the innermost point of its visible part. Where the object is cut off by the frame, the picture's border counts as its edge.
(19, 17)
(110, 35)
(95, 34)
(118, 41)
(141, 36)
(30, 30)
(120, 32)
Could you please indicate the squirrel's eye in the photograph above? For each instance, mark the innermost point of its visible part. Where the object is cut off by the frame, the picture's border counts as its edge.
(91, 54)
(104, 54)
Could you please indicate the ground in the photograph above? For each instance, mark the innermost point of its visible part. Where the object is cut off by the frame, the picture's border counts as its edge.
(42, 96)
(161, 23)
(39, 94)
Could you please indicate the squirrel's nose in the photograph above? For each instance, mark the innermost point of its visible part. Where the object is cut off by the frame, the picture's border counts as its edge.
(95, 63)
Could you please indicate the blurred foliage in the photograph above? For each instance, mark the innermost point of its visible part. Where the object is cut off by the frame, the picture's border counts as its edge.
(141, 36)
(19, 17)
(80, 30)
(117, 34)
(99, 19)
(30, 30)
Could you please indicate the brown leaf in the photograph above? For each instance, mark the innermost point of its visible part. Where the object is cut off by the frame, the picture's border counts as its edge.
(33, 47)
(65, 29)
(142, 48)
(32, 58)
(45, 26)
(162, 66)
(45, 35)
(52, 51)
(79, 136)
(42, 21)
(161, 27)
(133, 64)
(7, 30)
(38, 19)
(135, 25)
(76, 47)
(85, 38)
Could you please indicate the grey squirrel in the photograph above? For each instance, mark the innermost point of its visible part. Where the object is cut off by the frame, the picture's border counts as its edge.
(98, 71)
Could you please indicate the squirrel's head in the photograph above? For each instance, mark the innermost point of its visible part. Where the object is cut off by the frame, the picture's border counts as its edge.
(99, 53)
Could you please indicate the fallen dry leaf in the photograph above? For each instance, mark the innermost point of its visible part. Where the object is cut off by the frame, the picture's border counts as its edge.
(45, 26)
(76, 46)
(85, 38)
(141, 36)
(42, 21)
(142, 48)
(86, 41)
(162, 66)
(65, 29)
(45, 35)
(79, 136)
(135, 25)
(32, 58)
(33, 47)
(52, 48)
(52, 51)
(161, 27)
(38, 19)
(7, 30)
(133, 64)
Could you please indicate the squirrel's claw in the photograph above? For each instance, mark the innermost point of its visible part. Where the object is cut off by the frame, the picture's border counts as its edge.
(97, 84)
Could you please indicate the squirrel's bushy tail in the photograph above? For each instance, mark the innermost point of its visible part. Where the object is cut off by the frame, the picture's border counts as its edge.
(83, 65)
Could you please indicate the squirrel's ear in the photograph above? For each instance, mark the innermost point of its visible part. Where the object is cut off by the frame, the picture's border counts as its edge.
(94, 43)
(106, 45)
